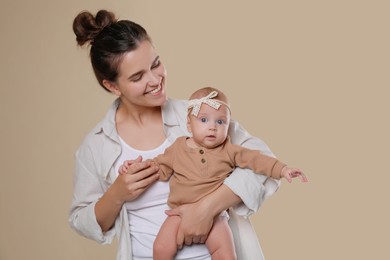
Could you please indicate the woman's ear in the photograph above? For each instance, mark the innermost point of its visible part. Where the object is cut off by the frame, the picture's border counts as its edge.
(112, 87)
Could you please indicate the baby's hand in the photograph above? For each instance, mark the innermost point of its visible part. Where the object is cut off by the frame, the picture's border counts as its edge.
(289, 173)
(125, 166)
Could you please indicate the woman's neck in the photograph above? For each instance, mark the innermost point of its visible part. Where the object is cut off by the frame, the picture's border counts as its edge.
(142, 129)
(137, 116)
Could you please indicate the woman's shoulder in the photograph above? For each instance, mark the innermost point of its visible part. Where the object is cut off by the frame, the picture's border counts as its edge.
(91, 140)
(175, 109)
(102, 133)
(177, 104)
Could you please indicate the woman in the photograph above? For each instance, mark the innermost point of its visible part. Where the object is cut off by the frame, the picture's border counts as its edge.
(143, 121)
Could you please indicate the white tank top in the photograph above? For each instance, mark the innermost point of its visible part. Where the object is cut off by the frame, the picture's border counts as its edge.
(146, 213)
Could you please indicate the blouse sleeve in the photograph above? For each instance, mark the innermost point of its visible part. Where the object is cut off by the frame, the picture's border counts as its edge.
(88, 188)
(252, 188)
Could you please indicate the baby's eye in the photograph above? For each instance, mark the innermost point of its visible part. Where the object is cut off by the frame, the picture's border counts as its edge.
(220, 122)
(203, 119)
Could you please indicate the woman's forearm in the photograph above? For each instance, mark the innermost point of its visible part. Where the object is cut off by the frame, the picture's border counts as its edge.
(220, 200)
(126, 187)
(107, 209)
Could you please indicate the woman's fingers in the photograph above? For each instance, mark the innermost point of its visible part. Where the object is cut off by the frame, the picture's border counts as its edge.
(195, 224)
(188, 241)
(144, 183)
(203, 239)
(141, 170)
(180, 239)
(139, 177)
(197, 240)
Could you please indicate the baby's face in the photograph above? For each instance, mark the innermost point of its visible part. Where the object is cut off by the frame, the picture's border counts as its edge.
(209, 129)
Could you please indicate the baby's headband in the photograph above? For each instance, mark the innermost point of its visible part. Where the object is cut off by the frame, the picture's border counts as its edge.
(195, 104)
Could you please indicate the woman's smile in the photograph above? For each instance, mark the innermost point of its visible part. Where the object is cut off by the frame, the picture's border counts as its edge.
(155, 91)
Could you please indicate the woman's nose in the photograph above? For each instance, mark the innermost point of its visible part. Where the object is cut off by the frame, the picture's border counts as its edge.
(153, 79)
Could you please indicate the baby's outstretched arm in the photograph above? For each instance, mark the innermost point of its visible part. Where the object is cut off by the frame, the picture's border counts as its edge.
(289, 173)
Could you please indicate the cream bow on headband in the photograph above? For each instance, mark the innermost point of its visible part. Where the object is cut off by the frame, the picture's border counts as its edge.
(195, 104)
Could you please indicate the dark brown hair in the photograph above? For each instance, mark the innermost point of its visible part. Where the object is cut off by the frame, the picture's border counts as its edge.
(109, 38)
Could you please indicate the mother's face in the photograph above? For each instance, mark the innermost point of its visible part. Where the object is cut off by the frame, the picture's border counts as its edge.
(141, 80)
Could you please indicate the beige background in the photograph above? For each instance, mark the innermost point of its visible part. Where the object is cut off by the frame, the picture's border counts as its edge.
(308, 77)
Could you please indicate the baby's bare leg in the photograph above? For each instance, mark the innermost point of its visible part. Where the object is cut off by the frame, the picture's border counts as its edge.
(220, 240)
(165, 246)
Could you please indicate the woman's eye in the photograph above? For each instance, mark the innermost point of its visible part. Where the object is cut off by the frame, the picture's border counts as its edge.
(136, 79)
(203, 120)
(220, 122)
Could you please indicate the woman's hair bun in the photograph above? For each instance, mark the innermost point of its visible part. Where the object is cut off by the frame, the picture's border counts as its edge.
(87, 27)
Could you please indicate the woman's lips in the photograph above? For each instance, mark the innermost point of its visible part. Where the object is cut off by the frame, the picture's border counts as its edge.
(155, 91)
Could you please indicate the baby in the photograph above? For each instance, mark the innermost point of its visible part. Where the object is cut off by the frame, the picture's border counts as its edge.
(196, 166)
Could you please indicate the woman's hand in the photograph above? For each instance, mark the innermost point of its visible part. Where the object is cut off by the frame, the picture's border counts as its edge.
(197, 219)
(127, 187)
(135, 176)
(195, 225)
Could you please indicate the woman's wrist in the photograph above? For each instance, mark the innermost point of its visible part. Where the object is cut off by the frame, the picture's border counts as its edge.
(113, 195)
(108, 208)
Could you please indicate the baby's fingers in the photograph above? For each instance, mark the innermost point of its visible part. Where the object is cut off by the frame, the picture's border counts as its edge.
(300, 174)
(294, 173)
(303, 177)
(122, 169)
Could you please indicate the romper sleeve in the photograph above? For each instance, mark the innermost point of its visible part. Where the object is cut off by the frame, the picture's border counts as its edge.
(256, 161)
(252, 188)
(165, 162)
